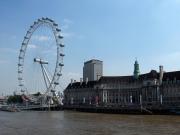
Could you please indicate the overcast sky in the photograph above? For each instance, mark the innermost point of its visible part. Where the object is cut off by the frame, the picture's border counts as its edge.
(114, 31)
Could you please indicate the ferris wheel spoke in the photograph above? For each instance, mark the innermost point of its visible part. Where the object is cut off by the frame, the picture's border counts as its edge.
(44, 76)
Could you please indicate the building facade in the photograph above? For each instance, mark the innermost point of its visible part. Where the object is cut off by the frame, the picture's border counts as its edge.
(92, 70)
(150, 90)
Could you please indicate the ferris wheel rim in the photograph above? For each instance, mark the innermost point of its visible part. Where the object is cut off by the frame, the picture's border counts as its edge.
(59, 60)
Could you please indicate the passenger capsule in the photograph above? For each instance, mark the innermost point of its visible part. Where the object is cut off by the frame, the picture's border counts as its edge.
(55, 24)
(39, 20)
(22, 90)
(58, 30)
(20, 57)
(19, 71)
(23, 43)
(56, 83)
(61, 54)
(52, 90)
(51, 20)
(26, 37)
(19, 78)
(21, 50)
(61, 64)
(28, 32)
(62, 45)
(60, 36)
(59, 74)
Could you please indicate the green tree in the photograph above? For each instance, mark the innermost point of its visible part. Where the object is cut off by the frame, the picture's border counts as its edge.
(15, 99)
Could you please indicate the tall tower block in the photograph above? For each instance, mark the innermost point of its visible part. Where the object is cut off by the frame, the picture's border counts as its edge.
(92, 70)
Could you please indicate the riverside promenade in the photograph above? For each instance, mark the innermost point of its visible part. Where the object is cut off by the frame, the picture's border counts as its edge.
(126, 110)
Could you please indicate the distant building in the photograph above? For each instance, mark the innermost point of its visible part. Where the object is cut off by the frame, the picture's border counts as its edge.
(151, 90)
(92, 70)
(3, 100)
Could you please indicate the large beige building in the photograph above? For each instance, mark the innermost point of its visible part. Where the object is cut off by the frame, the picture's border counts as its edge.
(150, 90)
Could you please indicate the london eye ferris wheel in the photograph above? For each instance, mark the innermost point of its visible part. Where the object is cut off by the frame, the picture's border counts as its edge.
(40, 60)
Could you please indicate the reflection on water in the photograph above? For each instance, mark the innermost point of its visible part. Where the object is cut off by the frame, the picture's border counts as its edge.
(77, 123)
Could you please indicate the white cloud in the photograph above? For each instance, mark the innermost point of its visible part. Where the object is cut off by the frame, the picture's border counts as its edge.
(66, 24)
(67, 34)
(72, 34)
(67, 21)
(32, 46)
(41, 38)
(50, 51)
(74, 76)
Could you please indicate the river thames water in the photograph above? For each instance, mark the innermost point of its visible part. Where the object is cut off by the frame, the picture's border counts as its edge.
(78, 123)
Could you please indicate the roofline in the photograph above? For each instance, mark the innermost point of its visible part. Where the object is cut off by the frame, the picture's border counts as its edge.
(89, 61)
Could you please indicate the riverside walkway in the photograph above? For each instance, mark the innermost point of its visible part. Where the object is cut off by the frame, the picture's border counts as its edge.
(39, 107)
